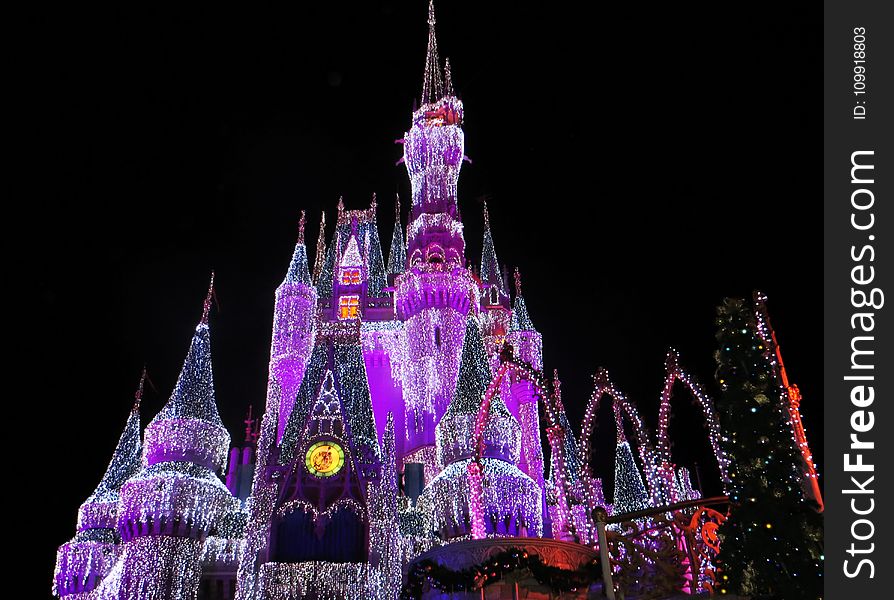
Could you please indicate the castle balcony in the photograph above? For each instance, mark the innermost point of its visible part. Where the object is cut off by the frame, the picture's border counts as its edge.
(186, 440)
(419, 290)
(171, 503)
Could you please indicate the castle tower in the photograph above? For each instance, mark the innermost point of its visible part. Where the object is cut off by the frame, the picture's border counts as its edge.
(512, 500)
(322, 512)
(436, 293)
(293, 328)
(82, 563)
(167, 509)
(318, 529)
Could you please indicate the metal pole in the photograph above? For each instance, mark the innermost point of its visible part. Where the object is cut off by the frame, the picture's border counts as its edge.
(600, 516)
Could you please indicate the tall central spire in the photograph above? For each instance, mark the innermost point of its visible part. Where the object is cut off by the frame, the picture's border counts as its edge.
(432, 84)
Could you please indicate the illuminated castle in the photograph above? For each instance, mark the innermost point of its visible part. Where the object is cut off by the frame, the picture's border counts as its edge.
(374, 447)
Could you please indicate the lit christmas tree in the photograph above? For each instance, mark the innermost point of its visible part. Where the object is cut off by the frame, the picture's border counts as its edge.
(771, 540)
(630, 492)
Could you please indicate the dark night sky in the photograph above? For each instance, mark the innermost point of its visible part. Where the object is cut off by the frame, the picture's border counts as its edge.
(639, 164)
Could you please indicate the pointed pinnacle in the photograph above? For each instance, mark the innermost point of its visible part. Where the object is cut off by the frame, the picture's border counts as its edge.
(432, 86)
(248, 424)
(206, 307)
(397, 208)
(321, 238)
(601, 377)
(139, 395)
(321, 248)
(557, 386)
(517, 283)
(373, 204)
(301, 223)
(341, 204)
(486, 216)
(672, 360)
(448, 78)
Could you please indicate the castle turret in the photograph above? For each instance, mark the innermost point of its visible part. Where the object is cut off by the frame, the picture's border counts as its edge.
(491, 275)
(82, 563)
(293, 328)
(167, 509)
(512, 500)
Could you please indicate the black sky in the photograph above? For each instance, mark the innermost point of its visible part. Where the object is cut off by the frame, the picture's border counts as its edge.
(639, 164)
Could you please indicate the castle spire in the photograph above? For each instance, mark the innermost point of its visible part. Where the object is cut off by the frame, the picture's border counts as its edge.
(138, 396)
(432, 85)
(193, 396)
(448, 79)
(299, 271)
(520, 321)
(126, 457)
(320, 256)
(397, 256)
(490, 268)
(206, 307)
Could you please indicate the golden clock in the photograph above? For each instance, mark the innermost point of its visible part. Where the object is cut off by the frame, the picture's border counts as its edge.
(324, 459)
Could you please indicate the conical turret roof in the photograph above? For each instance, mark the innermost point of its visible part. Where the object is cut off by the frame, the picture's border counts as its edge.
(193, 396)
(520, 321)
(490, 267)
(299, 269)
(125, 459)
(397, 256)
(474, 373)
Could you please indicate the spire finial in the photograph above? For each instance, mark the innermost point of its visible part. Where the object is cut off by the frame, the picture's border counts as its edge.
(486, 216)
(341, 205)
(373, 204)
(301, 223)
(448, 78)
(397, 208)
(139, 395)
(517, 282)
(248, 425)
(206, 308)
(432, 86)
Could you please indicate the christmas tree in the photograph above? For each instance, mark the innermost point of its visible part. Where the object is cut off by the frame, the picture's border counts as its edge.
(771, 541)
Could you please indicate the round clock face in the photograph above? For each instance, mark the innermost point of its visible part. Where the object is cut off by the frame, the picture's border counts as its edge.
(325, 459)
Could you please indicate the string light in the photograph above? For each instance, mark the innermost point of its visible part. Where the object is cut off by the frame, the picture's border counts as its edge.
(469, 385)
(630, 493)
(771, 542)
